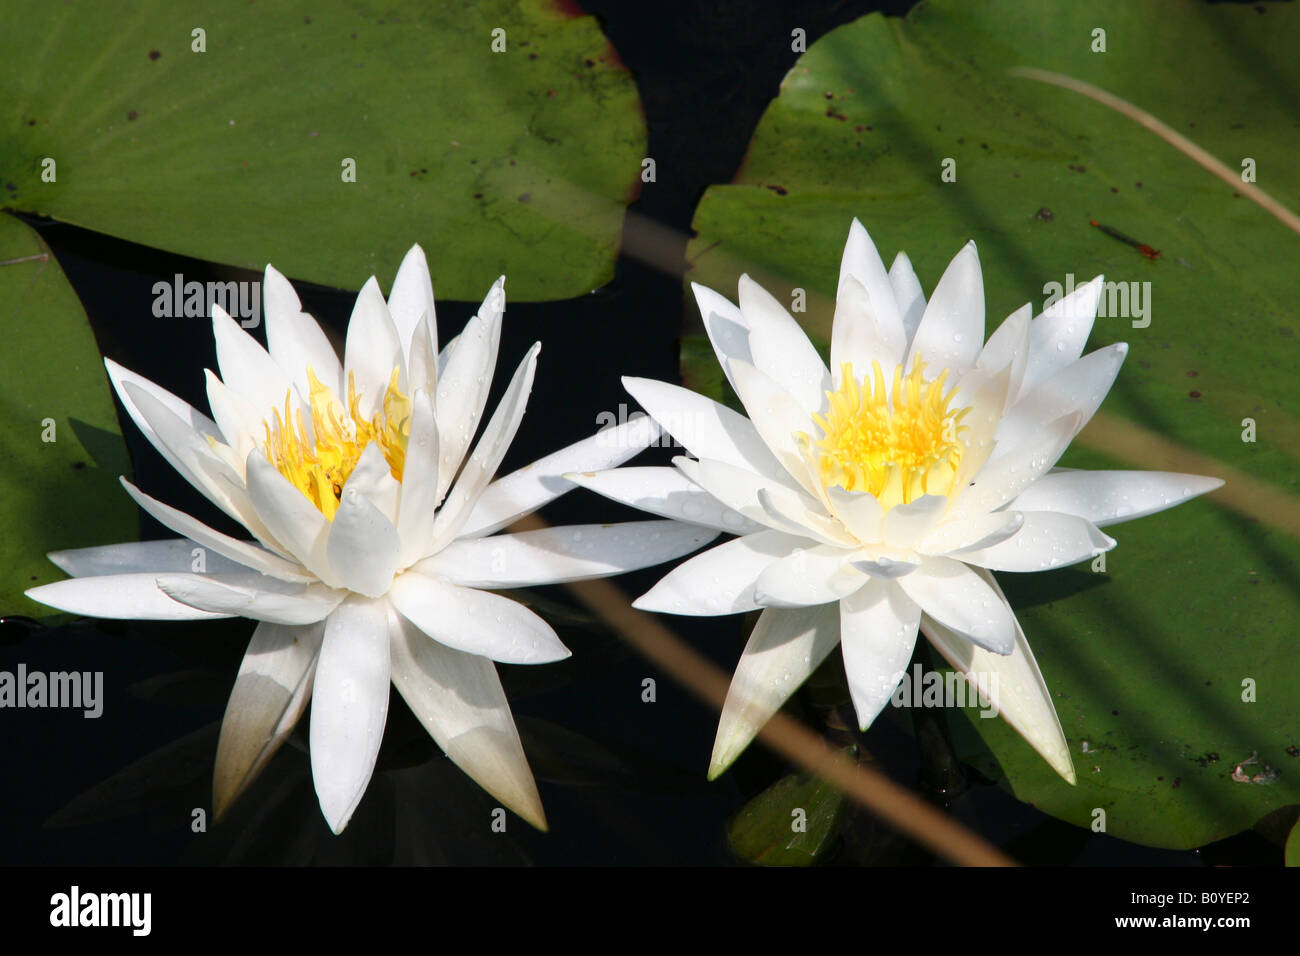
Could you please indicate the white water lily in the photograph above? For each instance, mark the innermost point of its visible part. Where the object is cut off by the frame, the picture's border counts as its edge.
(877, 497)
(374, 536)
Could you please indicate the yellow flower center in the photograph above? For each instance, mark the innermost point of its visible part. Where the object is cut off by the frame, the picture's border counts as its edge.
(898, 443)
(321, 468)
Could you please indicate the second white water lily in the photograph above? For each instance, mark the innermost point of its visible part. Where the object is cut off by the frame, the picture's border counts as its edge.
(875, 498)
(375, 536)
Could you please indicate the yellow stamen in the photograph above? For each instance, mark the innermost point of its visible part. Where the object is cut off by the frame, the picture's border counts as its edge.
(897, 443)
(321, 468)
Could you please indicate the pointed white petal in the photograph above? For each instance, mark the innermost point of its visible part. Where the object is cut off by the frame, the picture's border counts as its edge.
(241, 424)
(477, 622)
(463, 385)
(726, 326)
(120, 375)
(981, 531)
(412, 298)
(877, 636)
(667, 492)
(293, 520)
(906, 525)
(372, 478)
(951, 332)
(957, 597)
(783, 510)
(483, 463)
(133, 596)
(1007, 474)
(372, 350)
(859, 512)
(247, 368)
(1008, 347)
(459, 700)
(363, 547)
(808, 576)
(131, 556)
(907, 293)
(1012, 681)
(295, 340)
(862, 262)
(785, 647)
(524, 491)
(254, 596)
(778, 419)
(857, 336)
(270, 694)
(1047, 540)
(1109, 497)
(422, 367)
(1057, 337)
(721, 580)
(781, 349)
(885, 562)
(1079, 387)
(569, 553)
(418, 504)
(349, 706)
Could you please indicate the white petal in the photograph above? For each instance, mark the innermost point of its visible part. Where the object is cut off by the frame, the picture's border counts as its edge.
(524, 491)
(483, 463)
(372, 478)
(372, 350)
(459, 700)
(859, 512)
(132, 556)
(783, 510)
(907, 293)
(133, 596)
(707, 429)
(463, 385)
(856, 334)
(270, 694)
(1057, 337)
(885, 562)
(808, 576)
(241, 424)
(667, 492)
(906, 525)
(1007, 474)
(877, 637)
(1013, 681)
(721, 580)
(1047, 540)
(951, 332)
(120, 376)
(418, 504)
(411, 298)
(363, 547)
(1079, 387)
(743, 491)
(1008, 346)
(477, 622)
(243, 553)
(569, 553)
(247, 368)
(781, 349)
(861, 261)
(253, 596)
(349, 706)
(981, 531)
(726, 327)
(422, 368)
(293, 520)
(1109, 497)
(778, 419)
(960, 599)
(785, 647)
(296, 341)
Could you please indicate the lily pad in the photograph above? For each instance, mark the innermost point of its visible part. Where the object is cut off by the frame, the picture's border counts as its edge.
(227, 135)
(1151, 660)
(63, 449)
(794, 822)
(1293, 846)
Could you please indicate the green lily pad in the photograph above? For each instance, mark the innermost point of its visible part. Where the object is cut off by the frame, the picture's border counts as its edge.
(794, 822)
(63, 448)
(517, 162)
(1293, 846)
(1147, 660)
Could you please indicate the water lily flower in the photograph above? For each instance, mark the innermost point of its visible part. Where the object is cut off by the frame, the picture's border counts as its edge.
(876, 498)
(375, 550)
